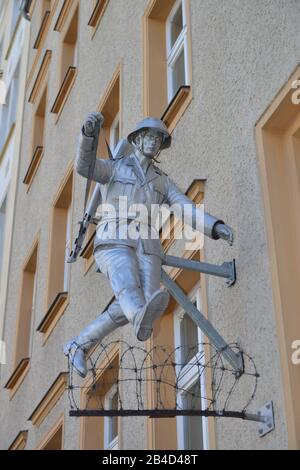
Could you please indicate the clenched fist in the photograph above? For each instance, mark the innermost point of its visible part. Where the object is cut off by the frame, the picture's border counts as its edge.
(90, 123)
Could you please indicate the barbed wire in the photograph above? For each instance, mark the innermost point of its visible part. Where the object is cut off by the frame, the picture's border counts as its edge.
(162, 381)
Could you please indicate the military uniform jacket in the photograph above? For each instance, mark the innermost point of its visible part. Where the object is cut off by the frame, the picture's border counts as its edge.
(124, 178)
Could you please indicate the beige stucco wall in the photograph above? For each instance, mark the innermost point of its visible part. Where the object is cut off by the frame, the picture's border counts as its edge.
(242, 54)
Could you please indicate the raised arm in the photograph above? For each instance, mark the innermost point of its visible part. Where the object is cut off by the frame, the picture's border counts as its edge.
(86, 151)
(213, 226)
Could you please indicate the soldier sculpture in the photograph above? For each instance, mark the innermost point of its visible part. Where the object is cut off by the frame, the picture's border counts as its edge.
(131, 263)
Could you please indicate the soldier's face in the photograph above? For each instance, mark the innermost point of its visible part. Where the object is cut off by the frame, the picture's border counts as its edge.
(149, 142)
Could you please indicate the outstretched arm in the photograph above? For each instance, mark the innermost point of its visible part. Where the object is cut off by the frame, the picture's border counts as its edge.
(213, 227)
(85, 152)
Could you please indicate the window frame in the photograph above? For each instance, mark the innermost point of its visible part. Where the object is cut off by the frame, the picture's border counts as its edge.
(190, 373)
(68, 248)
(112, 444)
(173, 52)
(157, 99)
(67, 74)
(113, 139)
(21, 360)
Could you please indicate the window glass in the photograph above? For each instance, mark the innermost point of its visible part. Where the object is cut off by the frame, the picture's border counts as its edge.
(178, 73)
(176, 25)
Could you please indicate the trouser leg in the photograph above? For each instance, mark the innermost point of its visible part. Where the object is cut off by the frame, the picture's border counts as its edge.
(77, 348)
(149, 272)
(120, 264)
(135, 280)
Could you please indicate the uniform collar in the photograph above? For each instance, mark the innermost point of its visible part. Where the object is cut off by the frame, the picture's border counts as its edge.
(151, 173)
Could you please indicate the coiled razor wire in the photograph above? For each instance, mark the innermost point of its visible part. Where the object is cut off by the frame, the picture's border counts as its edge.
(159, 383)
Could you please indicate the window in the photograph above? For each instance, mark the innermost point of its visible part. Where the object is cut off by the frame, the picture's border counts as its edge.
(278, 146)
(9, 108)
(54, 439)
(45, 14)
(20, 441)
(114, 132)
(60, 241)
(69, 47)
(28, 293)
(167, 60)
(68, 248)
(101, 392)
(38, 98)
(15, 14)
(39, 122)
(162, 432)
(68, 63)
(38, 139)
(109, 106)
(111, 422)
(61, 235)
(177, 49)
(192, 431)
(48, 402)
(2, 230)
(24, 321)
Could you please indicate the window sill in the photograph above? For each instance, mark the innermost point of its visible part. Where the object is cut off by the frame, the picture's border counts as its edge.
(49, 400)
(20, 441)
(17, 377)
(41, 75)
(41, 35)
(64, 91)
(177, 107)
(53, 314)
(97, 15)
(33, 166)
(87, 253)
(63, 15)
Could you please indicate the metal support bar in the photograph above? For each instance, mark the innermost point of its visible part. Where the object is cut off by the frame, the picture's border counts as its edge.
(236, 360)
(266, 419)
(226, 270)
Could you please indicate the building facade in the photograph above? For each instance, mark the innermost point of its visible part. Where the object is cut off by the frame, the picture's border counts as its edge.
(14, 43)
(224, 77)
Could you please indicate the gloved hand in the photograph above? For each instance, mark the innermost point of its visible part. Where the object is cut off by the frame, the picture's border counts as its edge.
(90, 123)
(224, 232)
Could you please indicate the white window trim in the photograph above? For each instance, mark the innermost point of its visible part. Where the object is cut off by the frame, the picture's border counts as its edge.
(68, 249)
(33, 307)
(188, 375)
(112, 141)
(114, 444)
(180, 44)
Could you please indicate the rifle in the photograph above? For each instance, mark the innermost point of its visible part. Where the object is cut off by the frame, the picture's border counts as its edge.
(88, 218)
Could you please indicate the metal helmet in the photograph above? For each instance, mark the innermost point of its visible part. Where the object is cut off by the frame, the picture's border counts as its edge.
(152, 123)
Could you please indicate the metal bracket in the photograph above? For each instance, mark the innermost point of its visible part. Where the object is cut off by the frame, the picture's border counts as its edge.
(226, 270)
(268, 423)
(235, 359)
